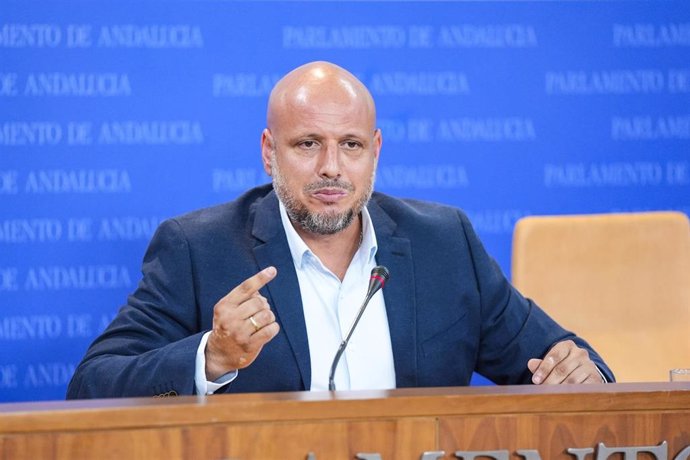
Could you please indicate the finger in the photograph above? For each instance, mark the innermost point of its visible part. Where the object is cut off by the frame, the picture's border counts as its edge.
(573, 368)
(561, 372)
(261, 319)
(594, 378)
(256, 344)
(586, 373)
(248, 318)
(249, 287)
(553, 358)
(580, 375)
(250, 307)
(264, 335)
(543, 370)
(233, 318)
(533, 365)
(567, 373)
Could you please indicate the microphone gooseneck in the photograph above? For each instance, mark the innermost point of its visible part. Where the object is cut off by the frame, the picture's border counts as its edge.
(378, 278)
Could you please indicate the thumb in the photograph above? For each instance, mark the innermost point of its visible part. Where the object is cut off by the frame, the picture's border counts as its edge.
(533, 364)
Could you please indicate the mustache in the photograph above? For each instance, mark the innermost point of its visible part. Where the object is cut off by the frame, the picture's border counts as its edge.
(329, 183)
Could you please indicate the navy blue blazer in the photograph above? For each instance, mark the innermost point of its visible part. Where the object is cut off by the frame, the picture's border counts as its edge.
(450, 309)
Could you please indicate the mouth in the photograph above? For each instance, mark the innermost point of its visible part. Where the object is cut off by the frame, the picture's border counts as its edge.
(329, 194)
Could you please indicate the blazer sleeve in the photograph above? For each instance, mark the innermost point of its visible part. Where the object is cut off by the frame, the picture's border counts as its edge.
(149, 349)
(513, 328)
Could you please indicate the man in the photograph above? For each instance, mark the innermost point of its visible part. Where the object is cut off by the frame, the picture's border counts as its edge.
(256, 295)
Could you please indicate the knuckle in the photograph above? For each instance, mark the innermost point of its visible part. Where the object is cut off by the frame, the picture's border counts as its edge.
(563, 348)
(551, 361)
(594, 379)
(220, 323)
(248, 286)
(270, 331)
(251, 302)
(562, 353)
(266, 316)
(260, 317)
(245, 287)
(572, 379)
(560, 370)
(220, 306)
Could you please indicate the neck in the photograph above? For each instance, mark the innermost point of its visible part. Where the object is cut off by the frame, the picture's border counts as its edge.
(337, 250)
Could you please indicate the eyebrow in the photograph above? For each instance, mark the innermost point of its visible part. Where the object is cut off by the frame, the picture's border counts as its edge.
(347, 135)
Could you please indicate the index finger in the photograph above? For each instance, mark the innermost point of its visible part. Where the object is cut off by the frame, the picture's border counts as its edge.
(249, 287)
(554, 357)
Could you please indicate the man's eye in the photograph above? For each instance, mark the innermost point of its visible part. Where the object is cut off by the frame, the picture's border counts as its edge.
(352, 144)
(308, 144)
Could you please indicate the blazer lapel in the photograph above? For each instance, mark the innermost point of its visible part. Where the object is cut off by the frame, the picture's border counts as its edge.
(399, 294)
(284, 293)
(395, 253)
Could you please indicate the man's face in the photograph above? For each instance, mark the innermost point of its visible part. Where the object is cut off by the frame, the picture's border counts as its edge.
(322, 153)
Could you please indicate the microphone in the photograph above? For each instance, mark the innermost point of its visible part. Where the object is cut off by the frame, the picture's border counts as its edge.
(378, 278)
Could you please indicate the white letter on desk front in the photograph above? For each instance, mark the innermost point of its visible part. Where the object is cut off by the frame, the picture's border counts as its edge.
(659, 452)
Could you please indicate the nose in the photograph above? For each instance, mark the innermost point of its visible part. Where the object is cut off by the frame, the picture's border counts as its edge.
(329, 164)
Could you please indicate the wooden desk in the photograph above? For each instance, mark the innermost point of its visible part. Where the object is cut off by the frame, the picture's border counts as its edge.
(399, 424)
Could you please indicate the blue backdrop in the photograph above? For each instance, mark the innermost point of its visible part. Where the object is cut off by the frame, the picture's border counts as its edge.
(117, 114)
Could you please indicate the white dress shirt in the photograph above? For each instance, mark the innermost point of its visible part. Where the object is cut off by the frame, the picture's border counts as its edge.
(330, 307)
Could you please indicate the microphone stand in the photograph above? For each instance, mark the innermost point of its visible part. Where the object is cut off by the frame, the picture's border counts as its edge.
(379, 276)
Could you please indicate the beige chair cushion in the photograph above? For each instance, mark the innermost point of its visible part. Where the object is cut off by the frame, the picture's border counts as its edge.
(621, 281)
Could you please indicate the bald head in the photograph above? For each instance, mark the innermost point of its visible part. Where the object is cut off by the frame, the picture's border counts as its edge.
(314, 85)
(321, 147)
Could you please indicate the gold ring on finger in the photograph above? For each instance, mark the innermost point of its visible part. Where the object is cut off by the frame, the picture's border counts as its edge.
(254, 323)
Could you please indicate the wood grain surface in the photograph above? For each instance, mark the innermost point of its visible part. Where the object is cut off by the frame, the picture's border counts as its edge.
(398, 424)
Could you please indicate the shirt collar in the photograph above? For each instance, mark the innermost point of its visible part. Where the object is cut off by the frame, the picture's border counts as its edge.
(300, 250)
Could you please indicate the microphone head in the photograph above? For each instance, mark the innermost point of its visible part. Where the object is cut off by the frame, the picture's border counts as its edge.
(380, 273)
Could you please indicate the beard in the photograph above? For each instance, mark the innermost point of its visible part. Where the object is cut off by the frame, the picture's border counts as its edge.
(320, 223)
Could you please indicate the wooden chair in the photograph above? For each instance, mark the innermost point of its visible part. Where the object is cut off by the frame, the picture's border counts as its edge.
(620, 281)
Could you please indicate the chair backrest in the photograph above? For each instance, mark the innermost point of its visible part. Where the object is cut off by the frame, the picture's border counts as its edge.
(620, 281)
